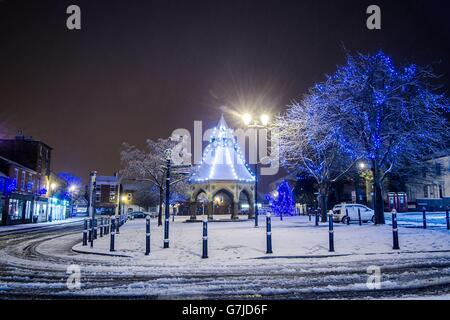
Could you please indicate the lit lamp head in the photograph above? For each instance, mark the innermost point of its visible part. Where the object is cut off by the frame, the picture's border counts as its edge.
(72, 188)
(53, 186)
(247, 118)
(124, 198)
(362, 165)
(265, 119)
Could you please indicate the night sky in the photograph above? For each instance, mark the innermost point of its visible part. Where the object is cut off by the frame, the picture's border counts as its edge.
(140, 69)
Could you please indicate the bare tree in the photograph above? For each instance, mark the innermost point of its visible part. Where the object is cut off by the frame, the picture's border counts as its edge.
(150, 165)
(310, 144)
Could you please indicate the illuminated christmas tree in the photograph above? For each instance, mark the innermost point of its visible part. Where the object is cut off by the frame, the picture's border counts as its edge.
(282, 202)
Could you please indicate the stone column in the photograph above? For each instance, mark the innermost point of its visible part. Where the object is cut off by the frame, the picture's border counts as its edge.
(210, 209)
(251, 210)
(235, 211)
(193, 210)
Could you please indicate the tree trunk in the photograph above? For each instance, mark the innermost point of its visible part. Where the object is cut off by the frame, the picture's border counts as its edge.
(378, 202)
(161, 199)
(323, 199)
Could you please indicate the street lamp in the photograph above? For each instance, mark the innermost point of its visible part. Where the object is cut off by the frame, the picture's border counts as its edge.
(124, 199)
(72, 190)
(262, 124)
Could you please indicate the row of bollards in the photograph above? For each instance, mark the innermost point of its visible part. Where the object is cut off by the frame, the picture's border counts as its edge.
(92, 229)
(110, 226)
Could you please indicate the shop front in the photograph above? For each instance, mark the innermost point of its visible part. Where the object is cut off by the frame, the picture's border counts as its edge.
(40, 210)
(57, 209)
(19, 209)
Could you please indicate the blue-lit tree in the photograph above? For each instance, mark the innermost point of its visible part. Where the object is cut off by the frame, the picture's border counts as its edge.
(311, 145)
(70, 179)
(282, 203)
(387, 115)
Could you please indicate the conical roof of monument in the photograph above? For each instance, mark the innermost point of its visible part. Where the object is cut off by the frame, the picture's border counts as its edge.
(222, 158)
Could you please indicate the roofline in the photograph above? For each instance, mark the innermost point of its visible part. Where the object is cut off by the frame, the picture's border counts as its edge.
(29, 140)
(17, 164)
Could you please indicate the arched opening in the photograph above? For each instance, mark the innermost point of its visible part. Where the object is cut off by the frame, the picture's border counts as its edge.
(202, 202)
(244, 202)
(223, 202)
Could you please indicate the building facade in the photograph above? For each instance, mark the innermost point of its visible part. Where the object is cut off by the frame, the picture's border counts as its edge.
(30, 192)
(430, 188)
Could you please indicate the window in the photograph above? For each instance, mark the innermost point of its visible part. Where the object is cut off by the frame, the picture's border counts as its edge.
(112, 193)
(23, 181)
(424, 172)
(16, 177)
(30, 183)
(425, 191)
(438, 169)
(15, 208)
(97, 196)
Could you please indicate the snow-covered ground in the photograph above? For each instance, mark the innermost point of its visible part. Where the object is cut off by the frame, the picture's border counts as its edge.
(241, 243)
(415, 219)
(28, 226)
(238, 267)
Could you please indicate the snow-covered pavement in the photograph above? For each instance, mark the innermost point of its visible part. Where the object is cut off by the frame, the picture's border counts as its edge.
(237, 267)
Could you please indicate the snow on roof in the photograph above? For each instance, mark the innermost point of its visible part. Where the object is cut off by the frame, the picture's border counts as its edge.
(106, 180)
(222, 158)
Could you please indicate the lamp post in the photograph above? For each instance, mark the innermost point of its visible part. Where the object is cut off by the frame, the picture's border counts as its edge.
(53, 187)
(122, 211)
(73, 190)
(255, 124)
(92, 178)
(167, 202)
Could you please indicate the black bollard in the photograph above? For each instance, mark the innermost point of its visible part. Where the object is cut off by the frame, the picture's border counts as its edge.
(147, 235)
(309, 215)
(101, 227)
(113, 233)
(359, 216)
(424, 216)
(269, 233)
(108, 225)
(348, 218)
(90, 230)
(330, 231)
(105, 226)
(447, 218)
(317, 217)
(118, 225)
(85, 232)
(95, 228)
(395, 230)
(205, 238)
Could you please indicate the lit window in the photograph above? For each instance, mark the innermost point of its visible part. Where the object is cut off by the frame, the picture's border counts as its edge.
(24, 180)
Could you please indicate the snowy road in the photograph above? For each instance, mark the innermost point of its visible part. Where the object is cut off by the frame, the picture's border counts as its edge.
(33, 264)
